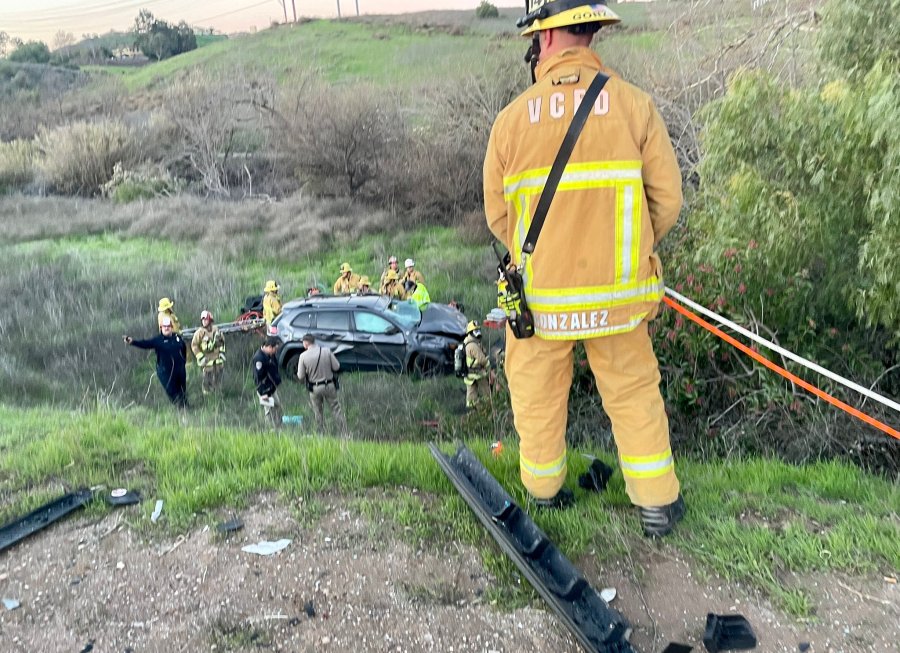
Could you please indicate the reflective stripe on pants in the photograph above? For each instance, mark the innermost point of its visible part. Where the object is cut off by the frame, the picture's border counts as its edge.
(627, 373)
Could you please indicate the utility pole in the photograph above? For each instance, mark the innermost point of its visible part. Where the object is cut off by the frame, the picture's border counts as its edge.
(357, 8)
(294, 7)
(339, 9)
(283, 4)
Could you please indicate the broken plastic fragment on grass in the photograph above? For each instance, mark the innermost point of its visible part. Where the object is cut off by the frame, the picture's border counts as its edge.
(265, 548)
(11, 604)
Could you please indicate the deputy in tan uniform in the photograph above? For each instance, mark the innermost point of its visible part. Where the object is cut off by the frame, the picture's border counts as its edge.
(166, 309)
(392, 286)
(478, 386)
(594, 275)
(272, 303)
(318, 369)
(208, 346)
(348, 282)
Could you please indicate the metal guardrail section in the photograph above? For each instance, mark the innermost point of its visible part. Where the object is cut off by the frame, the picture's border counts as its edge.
(240, 326)
(18, 529)
(598, 628)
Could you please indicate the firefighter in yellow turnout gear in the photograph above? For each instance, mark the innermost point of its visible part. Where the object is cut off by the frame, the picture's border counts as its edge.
(347, 282)
(478, 386)
(166, 309)
(272, 303)
(594, 275)
(208, 346)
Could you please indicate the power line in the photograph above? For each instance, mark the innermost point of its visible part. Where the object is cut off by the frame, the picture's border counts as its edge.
(110, 8)
(233, 11)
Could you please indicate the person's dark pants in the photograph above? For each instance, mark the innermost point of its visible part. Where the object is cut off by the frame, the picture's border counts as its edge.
(175, 386)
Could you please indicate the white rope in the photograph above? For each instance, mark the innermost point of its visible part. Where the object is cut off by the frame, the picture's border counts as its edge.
(784, 352)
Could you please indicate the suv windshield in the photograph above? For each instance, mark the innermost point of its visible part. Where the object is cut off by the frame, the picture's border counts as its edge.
(406, 313)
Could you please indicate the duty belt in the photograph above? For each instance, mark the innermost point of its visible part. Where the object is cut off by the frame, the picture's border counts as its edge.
(314, 383)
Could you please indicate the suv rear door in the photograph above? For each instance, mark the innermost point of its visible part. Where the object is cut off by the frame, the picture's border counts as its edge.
(379, 343)
(333, 330)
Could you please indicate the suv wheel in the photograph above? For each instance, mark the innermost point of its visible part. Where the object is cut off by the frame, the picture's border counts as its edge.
(291, 363)
(423, 367)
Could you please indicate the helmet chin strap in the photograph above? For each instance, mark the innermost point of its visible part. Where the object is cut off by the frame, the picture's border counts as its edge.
(533, 54)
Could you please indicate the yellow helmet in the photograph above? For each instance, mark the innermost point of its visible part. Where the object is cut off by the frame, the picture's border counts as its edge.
(271, 286)
(548, 14)
(472, 326)
(364, 281)
(345, 268)
(391, 275)
(165, 304)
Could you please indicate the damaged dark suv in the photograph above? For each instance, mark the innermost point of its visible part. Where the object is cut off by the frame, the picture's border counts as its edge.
(372, 332)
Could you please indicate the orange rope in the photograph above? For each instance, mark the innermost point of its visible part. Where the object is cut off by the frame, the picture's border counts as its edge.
(783, 372)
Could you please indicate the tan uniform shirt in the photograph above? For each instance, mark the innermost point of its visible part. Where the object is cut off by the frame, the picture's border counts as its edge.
(415, 275)
(316, 365)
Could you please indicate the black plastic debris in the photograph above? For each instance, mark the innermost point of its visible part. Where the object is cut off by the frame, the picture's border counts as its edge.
(599, 628)
(310, 610)
(123, 497)
(18, 529)
(88, 648)
(803, 647)
(234, 524)
(728, 632)
(678, 648)
(596, 477)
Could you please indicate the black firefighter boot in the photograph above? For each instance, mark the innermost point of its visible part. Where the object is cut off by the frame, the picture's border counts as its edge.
(659, 521)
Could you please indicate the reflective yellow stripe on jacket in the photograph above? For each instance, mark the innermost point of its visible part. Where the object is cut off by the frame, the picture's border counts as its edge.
(624, 177)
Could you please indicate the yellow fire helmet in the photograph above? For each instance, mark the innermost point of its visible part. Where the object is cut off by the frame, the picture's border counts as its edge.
(364, 281)
(472, 326)
(271, 286)
(345, 268)
(391, 275)
(164, 304)
(548, 14)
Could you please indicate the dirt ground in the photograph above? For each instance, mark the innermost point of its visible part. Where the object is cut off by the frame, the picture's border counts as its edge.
(345, 584)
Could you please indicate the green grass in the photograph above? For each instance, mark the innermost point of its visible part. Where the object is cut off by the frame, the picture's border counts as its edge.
(753, 521)
(347, 51)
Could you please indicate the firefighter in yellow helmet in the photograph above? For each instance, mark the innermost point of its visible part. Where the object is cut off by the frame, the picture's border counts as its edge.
(348, 282)
(208, 346)
(594, 275)
(166, 309)
(477, 378)
(392, 286)
(392, 265)
(365, 286)
(272, 303)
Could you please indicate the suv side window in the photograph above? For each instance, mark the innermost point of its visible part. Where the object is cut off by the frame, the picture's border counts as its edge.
(371, 323)
(303, 321)
(333, 321)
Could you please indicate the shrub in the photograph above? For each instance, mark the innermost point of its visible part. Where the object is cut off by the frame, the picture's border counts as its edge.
(486, 10)
(77, 159)
(130, 185)
(16, 165)
(31, 52)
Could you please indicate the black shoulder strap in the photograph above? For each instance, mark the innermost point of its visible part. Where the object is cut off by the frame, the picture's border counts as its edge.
(562, 157)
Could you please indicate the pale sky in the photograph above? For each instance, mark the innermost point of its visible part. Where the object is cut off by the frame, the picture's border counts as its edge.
(42, 19)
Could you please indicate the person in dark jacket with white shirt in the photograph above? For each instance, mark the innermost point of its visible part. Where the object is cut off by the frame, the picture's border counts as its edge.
(267, 378)
(171, 354)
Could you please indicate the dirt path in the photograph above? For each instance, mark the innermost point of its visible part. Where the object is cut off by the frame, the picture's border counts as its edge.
(344, 584)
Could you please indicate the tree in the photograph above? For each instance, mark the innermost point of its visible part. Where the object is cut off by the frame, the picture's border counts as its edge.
(4, 43)
(159, 40)
(63, 39)
(31, 52)
(486, 10)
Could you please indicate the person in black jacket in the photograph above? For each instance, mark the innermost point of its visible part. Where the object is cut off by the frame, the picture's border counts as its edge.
(171, 354)
(268, 378)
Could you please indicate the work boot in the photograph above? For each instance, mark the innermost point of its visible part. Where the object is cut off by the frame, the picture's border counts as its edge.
(563, 499)
(659, 521)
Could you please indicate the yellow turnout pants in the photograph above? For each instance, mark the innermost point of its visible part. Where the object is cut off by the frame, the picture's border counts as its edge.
(540, 374)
